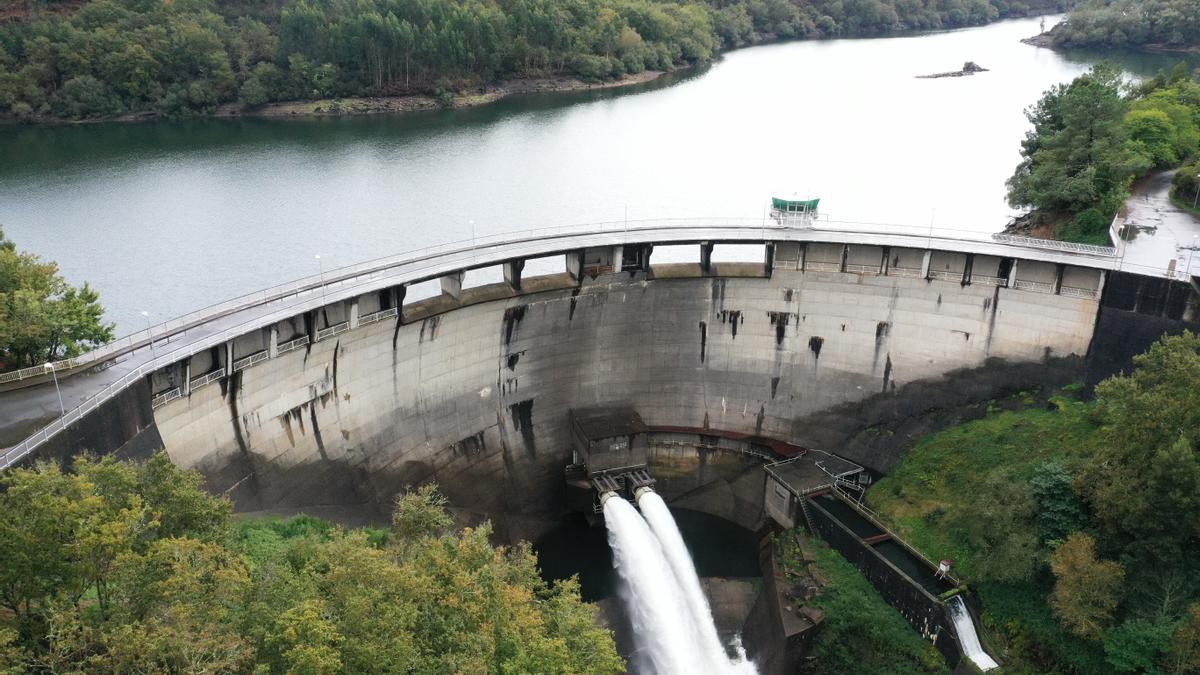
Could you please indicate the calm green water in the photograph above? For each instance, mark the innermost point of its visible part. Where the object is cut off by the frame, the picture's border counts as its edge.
(168, 217)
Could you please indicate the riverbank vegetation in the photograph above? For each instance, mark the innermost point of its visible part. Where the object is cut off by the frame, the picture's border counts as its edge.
(1153, 25)
(42, 317)
(118, 568)
(1092, 137)
(861, 632)
(68, 59)
(1076, 521)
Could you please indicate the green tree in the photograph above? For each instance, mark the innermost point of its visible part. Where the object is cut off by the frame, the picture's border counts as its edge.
(1144, 483)
(42, 317)
(996, 525)
(1076, 154)
(1086, 589)
(1137, 645)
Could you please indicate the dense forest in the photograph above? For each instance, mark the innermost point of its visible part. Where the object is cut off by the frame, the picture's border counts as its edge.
(99, 58)
(1170, 25)
(1092, 137)
(1076, 520)
(122, 568)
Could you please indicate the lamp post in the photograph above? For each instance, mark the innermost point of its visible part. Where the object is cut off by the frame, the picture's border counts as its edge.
(321, 275)
(146, 316)
(62, 409)
(1187, 272)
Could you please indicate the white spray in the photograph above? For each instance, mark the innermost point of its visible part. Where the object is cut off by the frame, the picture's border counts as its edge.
(661, 623)
(662, 523)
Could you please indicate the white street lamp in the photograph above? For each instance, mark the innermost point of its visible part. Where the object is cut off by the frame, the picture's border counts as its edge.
(146, 316)
(61, 408)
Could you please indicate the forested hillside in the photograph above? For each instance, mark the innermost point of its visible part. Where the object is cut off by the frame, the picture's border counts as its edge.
(1144, 24)
(1077, 522)
(71, 59)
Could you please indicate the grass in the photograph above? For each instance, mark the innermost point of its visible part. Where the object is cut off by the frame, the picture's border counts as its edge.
(268, 538)
(937, 476)
(937, 479)
(861, 633)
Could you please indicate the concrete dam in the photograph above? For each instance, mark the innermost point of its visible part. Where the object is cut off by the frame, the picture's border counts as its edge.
(336, 391)
(602, 369)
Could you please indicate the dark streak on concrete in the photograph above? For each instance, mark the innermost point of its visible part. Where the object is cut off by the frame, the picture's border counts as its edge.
(887, 373)
(512, 360)
(229, 387)
(993, 304)
(774, 386)
(522, 419)
(814, 344)
(703, 339)
(733, 317)
(574, 300)
(312, 416)
(780, 320)
(337, 347)
(512, 317)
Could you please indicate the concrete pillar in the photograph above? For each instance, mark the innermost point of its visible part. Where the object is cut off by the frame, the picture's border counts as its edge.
(617, 259)
(925, 264)
(273, 342)
(1012, 274)
(352, 315)
(398, 293)
(574, 261)
(229, 358)
(803, 257)
(706, 250)
(512, 273)
(646, 251)
(186, 387)
(769, 259)
(1058, 278)
(886, 262)
(452, 284)
(845, 255)
(1100, 285)
(968, 267)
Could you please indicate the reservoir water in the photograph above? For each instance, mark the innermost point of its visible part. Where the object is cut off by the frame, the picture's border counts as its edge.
(168, 217)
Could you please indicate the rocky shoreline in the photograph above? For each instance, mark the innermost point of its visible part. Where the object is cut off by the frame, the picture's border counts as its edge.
(475, 96)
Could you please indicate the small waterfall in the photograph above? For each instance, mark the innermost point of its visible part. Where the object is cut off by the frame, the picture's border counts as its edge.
(967, 638)
(661, 627)
(662, 523)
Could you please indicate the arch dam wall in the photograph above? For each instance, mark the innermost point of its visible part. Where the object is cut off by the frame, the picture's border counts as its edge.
(348, 400)
(477, 398)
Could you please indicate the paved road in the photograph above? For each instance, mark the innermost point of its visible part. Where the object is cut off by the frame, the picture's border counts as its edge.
(1159, 236)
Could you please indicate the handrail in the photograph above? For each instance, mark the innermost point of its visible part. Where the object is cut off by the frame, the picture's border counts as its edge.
(333, 277)
(424, 263)
(1055, 244)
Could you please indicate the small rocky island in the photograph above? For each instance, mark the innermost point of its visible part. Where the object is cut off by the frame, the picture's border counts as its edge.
(969, 68)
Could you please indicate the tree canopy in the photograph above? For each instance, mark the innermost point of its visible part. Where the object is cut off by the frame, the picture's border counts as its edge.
(42, 317)
(1093, 136)
(182, 57)
(118, 567)
(1158, 24)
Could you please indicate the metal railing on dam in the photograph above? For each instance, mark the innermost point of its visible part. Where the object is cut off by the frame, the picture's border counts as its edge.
(220, 323)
